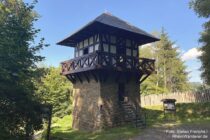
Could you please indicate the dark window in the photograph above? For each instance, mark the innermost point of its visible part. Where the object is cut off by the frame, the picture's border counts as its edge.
(85, 51)
(121, 50)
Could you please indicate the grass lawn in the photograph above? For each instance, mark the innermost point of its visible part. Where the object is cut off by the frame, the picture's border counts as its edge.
(61, 129)
(186, 113)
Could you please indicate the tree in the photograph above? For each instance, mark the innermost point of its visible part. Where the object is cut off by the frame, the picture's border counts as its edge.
(20, 111)
(171, 72)
(201, 7)
(56, 90)
(151, 84)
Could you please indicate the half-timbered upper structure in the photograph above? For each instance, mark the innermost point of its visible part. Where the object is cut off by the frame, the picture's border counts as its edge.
(106, 72)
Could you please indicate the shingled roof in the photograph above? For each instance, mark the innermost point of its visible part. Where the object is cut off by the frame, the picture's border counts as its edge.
(108, 22)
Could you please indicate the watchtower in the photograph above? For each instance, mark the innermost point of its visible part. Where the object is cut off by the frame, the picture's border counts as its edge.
(106, 72)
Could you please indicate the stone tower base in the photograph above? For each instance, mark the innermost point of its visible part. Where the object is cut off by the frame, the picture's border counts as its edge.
(97, 104)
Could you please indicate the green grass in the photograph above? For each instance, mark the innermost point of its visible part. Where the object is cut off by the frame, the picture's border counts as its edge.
(61, 129)
(186, 113)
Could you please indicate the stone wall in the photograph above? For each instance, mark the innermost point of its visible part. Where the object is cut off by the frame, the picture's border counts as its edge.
(86, 110)
(110, 105)
(96, 104)
(181, 97)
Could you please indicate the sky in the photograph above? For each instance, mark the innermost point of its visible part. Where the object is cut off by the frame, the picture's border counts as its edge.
(60, 18)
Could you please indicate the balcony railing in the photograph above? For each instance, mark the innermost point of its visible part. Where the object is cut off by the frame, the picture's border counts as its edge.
(100, 60)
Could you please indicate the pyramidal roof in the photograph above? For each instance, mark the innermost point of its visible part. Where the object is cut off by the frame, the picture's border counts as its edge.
(108, 21)
(111, 20)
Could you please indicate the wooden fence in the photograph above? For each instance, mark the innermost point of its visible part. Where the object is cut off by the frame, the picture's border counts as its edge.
(181, 97)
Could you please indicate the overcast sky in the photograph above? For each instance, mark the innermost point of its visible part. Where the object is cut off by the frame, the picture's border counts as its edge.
(60, 18)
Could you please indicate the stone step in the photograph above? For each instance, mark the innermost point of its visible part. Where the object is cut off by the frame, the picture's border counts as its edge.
(127, 107)
(140, 126)
(138, 121)
(128, 110)
(129, 116)
(132, 116)
(126, 104)
(130, 113)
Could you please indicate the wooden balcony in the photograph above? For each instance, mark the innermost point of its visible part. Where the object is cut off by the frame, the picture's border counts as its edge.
(102, 60)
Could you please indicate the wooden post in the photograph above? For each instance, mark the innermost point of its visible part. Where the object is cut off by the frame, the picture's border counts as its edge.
(49, 122)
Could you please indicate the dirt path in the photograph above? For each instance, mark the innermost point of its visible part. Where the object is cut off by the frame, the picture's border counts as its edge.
(176, 132)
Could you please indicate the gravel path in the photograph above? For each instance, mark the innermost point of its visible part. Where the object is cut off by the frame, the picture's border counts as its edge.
(176, 132)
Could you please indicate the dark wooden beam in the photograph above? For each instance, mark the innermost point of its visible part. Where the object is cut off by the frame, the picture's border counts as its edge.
(72, 79)
(138, 77)
(94, 76)
(78, 76)
(144, 78)
(86, 76)
(69, 78)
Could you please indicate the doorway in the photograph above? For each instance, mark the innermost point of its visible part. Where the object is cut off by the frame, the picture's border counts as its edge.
(121, 91)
